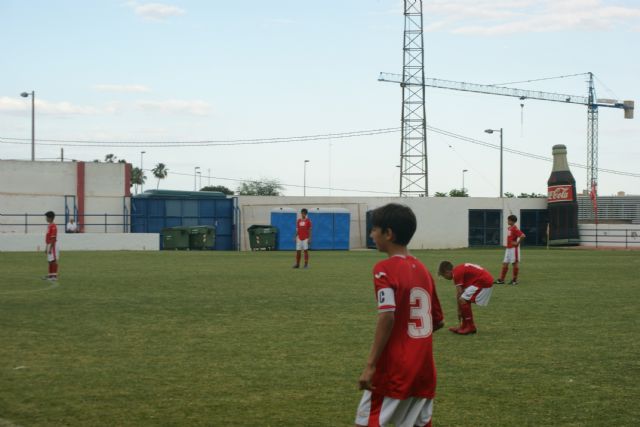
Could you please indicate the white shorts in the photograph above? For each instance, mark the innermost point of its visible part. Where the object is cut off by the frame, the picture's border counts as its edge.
(480, 296)
(302, 245)
(54, 254)
(512, 255)
(378, 410)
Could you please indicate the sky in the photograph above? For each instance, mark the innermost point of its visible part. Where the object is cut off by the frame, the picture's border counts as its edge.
(122, 77)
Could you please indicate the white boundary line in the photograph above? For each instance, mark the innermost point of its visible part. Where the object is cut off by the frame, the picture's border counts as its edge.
(26, 291)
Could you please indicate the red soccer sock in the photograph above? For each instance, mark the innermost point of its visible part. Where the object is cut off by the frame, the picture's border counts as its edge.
(467, 314)
(297, 257)
(306, 257)
(50, 269)
(516, 269)
(54, 268)
(503, 273)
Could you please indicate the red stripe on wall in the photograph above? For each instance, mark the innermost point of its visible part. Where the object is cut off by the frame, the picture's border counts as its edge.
(127, 179)
(80, 194)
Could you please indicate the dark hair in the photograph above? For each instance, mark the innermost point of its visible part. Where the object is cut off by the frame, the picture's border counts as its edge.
(304, 211)
(50, 214)
(513, 218)
(399, 218)
(444, 267)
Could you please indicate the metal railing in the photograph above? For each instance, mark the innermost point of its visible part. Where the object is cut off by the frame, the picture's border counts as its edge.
(623, 238)
(91, 223)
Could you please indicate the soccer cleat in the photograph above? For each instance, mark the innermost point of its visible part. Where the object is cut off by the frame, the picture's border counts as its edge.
(498, 282)
(513, 282)
(455, 329)
(45, 277)
(52, 279)
(465, 330)
(306, 266)
(296, 266)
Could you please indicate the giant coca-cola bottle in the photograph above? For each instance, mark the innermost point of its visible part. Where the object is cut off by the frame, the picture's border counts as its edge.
(562, 201)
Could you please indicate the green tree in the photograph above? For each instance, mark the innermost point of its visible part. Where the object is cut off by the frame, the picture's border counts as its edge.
(458, 193)
(137, 177)
(509, 195)
(531, 196)
(440, 194)
(110, 158)
(160, 171)
(220, 188)
(267, 187)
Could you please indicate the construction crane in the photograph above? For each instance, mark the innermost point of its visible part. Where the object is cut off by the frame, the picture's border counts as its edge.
(590, 101)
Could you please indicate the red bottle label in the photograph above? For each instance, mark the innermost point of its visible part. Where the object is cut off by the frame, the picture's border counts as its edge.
(560, 193)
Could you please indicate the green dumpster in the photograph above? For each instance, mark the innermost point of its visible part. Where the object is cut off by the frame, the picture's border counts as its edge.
(175, 238)
(202, 237)
(262, 237)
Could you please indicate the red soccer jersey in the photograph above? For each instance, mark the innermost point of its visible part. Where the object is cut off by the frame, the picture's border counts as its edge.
(406, 367)
(466, 275)
(52, 233)
(512, 236)
(303, 226)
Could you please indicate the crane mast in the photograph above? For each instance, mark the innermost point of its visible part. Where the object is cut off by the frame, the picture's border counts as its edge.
(590, 101)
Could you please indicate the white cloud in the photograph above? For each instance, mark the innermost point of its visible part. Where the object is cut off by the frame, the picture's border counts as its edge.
(18, 106)
(121, 88)
(500, 17)
(155, 11)
(198, 108)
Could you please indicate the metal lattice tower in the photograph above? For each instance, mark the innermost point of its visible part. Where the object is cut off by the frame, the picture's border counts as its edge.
(592, 136)
(414, 179)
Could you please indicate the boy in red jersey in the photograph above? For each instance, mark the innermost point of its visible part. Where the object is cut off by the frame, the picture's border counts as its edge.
(473, 284)
(303, 238)
(51, 239)
(512, 253)
(399, 378)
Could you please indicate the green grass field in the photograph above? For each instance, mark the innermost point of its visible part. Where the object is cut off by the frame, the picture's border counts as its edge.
(241, 339)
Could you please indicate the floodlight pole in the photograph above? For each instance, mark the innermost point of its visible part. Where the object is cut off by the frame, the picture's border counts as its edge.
(33, 122)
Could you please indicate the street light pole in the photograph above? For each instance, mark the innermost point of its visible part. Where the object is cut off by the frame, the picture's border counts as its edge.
(463, 172)
(195, 174)
(33, 122)
(490, 131)
(305, 178)
(141, 172)
(501, 192)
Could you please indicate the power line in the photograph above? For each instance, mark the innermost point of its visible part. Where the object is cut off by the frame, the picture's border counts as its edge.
(288, 185)
(205, 143)
(307, 138)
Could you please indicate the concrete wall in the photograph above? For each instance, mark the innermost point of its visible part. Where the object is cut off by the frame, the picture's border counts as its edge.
(31, 242)
(442, 221)
(33, 188)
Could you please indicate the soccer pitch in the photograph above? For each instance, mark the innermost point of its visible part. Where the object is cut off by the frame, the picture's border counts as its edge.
(241, 339)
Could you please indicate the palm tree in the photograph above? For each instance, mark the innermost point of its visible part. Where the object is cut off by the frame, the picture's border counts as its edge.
(110, 158)
(160, 172)
(137, 177)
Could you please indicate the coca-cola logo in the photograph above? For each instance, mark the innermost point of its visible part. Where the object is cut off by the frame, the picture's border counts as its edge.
(560, 193)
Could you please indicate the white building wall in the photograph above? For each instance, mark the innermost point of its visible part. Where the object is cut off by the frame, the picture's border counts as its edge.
(442, 221)
(104, 179)
(33, 188)
(19, 177)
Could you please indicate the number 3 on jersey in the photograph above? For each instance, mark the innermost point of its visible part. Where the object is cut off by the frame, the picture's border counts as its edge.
(420, 325)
